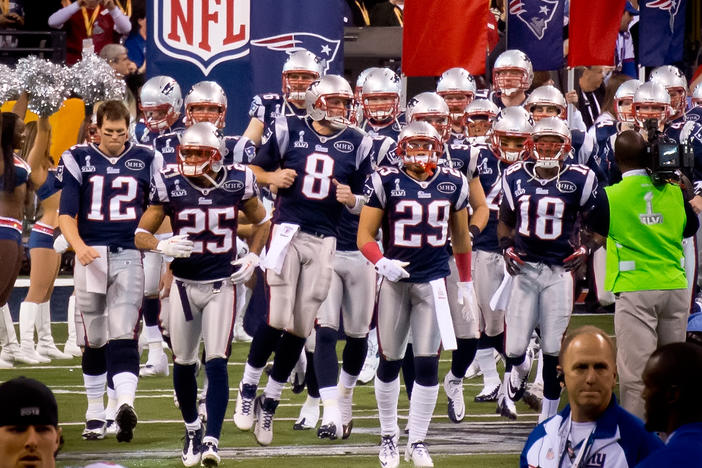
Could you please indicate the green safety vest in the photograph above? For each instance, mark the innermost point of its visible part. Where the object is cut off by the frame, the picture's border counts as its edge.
(644, 246)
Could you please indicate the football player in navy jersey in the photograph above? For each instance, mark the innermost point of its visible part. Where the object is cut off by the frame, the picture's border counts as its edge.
(105, 189)
(480, 114)
(512, 75)
(160, 101)
(537, 225)
(458, 89)
(203, 198)
(509, 143)
(421, 205)
(312, 162)
(674, 81)
(380, 101)
(299, 71)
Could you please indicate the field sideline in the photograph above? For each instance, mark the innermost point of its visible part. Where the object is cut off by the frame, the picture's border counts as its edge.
(483, 439)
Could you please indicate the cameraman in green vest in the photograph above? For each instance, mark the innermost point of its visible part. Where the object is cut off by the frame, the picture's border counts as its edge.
(644, 224)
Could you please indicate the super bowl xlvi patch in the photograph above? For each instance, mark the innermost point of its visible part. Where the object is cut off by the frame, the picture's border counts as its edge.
(566, 186)
(177, 190)
(446, 187)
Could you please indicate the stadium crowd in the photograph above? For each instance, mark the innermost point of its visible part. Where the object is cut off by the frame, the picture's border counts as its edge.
(462, 218)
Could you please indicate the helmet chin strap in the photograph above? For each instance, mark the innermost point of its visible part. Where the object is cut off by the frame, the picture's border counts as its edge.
(510, 91)
(511, 156)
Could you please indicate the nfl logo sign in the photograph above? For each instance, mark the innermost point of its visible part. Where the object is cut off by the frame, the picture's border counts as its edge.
(202, 32)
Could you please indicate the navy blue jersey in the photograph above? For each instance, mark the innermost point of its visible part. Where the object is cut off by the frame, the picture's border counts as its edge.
(458, 139)
(207, 215)
(106, 195)
(144, 136)
(416, 218)
(546, 210)
(490, 169)
(391, 131)
(384, 152)
(460, 156)
(310, 202)
(689, 132)
(266, 107)
(694, 114)
(240, 150)
(49, 187)
(597, 152)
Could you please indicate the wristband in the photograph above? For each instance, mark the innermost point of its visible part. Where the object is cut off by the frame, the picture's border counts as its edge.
(474, 231)
(372, 252)
(463, 266)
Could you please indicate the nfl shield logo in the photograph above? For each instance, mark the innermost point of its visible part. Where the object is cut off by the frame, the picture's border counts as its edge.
(203, 33)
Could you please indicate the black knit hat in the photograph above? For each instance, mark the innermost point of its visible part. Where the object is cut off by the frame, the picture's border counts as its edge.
(27, 402)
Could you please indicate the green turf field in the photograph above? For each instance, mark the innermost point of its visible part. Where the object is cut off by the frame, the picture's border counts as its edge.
(483, 439)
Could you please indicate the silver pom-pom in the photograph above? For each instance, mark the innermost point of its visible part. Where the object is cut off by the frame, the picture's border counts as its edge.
(9, 84)
(94, 80)
(45, 82)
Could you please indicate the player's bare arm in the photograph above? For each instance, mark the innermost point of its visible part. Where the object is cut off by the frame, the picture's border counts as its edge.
(149, 223)
(254, 131)
(69, 228)
(282, 178)
(368, 225)
(478, 203)
(460, 236)
(260, 227)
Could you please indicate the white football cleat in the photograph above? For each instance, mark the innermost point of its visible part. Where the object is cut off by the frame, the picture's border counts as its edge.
(94, 430)
(111, 428)
(244, 410)
(389, 456)
(418, 453)
(72, 348)
(210, 454)
(13, 353)
(192, 448)
(332, 426)
(264, 410)
(309, 415)
(473, 370)
(50, 351)
(370, 365)
(454, 392)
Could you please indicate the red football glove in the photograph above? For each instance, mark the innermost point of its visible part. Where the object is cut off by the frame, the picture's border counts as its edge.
(513, 261)
(576, 259)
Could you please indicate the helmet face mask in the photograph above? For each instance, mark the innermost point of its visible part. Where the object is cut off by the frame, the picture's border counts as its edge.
(511, 80)
(380, 96)
(439, 121)
(540, 111)
(419, 147)
(512, 72)
(457, 103)
(551, 142)
(381, 107)
(200, 150)
(329, 101)
(206, 112)
(674, 81)
(206, 102)
(430, 107)
(295, 84)
(624, 110)
(651, 101)
(457, 87)
(513, 125)
(160, 101)
(479, 124)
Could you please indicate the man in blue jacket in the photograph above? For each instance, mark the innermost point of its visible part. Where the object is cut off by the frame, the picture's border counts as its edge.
(672, 379)
(592, 430)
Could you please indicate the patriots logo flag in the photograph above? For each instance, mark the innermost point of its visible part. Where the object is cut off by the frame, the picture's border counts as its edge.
(661, 32)
(536, 28)
(281, 28)
(240, 44)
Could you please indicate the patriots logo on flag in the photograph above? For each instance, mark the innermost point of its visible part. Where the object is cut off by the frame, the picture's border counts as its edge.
(323, 47)
(669, 5)
(535, 14)
(202, 33)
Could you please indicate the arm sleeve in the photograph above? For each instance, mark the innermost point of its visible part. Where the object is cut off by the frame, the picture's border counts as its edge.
(70, 196)
(374, 191)
(122, 24)
(59, 18)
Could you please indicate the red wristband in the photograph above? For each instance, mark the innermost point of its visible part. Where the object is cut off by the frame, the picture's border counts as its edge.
(372, 252)
(463, 266)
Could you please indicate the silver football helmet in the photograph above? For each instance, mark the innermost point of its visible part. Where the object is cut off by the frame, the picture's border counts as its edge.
(697, 95)
(546, 95)
(420, 143)
(381, 83)
(479, 116)
(204, 94)
(201, 149)
(161, 101)
(513, 121)
(319, 92)
(675, 82)
(549, 154)
(623, 99)
(651, 101)
(512, 71)
(428, 105)
(300, 62)
(458, 88)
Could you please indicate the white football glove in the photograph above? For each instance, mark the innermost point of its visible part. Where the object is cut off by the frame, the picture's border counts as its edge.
(466, 296)
(392, 269)
(176, 246)
(61, 244)
(247, 265)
